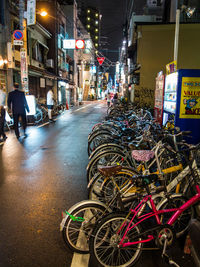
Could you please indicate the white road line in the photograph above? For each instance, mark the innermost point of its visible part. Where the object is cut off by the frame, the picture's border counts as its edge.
(80, 260)
(81, 108)
(43, 124)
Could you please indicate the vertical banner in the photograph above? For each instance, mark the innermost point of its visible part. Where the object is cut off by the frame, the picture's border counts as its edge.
(31, 12)
(21, 14)
(190, 98)
(24, 70)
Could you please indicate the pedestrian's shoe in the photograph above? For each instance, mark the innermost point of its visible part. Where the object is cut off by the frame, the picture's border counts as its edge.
(18, 136)
(25, 135)
(4, 138)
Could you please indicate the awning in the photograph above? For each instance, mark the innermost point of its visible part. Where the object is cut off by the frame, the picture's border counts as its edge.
(35, 41)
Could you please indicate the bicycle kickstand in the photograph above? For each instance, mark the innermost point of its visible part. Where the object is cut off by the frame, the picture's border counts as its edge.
(166, 257)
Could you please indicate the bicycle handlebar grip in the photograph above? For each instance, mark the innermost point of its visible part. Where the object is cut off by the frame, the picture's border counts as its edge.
(186, 132)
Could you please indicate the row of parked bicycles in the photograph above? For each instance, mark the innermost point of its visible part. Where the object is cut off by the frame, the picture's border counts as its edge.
(40, 116)
(143, 189)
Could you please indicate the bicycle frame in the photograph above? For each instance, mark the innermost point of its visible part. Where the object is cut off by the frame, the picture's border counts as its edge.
(155, 213)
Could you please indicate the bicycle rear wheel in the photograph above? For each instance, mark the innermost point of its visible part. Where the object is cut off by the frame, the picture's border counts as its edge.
(104, 249)
(181, 224)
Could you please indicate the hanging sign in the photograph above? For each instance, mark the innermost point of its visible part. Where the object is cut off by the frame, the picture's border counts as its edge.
(24, 70)
(69, 44)
(80, 44)
(31, 12)
(101, 60)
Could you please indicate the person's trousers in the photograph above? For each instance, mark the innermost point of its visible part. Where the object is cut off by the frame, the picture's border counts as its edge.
(2, 122)
(16, 122)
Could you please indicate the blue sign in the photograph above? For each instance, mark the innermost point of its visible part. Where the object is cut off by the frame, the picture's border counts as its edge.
(18, 35)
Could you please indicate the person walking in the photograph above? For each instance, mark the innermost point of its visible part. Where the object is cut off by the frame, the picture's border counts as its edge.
(2, 114)
(50, 103)
(17, 102)
(115, 99)
(108, 100)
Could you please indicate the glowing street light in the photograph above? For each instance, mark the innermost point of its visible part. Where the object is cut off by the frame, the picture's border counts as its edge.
(43, 13)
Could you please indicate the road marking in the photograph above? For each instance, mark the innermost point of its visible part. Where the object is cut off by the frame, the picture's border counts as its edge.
(80, 260)
(43, 124)
(81, 108)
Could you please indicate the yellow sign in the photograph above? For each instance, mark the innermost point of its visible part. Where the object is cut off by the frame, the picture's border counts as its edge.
(190, 98)
(171, 67)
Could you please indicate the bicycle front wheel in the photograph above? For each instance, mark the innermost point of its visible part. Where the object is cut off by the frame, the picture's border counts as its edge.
(76, 233)
(105, 238)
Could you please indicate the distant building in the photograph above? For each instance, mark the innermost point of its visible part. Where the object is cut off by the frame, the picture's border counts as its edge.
(91, 19)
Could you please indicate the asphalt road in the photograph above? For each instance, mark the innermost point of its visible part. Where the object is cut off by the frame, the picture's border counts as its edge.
(39, 177)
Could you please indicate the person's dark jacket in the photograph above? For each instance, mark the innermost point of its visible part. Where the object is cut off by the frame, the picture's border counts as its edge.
(18, 101)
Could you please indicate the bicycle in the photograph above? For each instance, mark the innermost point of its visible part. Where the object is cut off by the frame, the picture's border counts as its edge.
(118, 239)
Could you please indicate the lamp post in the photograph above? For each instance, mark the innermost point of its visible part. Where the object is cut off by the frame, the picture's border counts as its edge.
(189, 11)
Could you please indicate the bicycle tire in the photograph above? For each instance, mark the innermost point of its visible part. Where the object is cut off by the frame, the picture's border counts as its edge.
(106, 147)
(103, 244)
(100, 187)
(182, 223)
(76, 234)
(106, 158)
(97, 139)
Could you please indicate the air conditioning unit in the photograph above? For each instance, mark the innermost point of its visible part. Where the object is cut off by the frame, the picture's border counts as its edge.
(50, 63)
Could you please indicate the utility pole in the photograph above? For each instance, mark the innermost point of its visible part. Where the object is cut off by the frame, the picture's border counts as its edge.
(23, 50)
(126, 59)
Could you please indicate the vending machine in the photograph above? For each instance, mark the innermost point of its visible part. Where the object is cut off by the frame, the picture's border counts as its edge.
(182, 99)
(159, 95)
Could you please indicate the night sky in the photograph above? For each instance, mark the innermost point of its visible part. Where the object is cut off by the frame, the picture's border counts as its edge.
(113, 17)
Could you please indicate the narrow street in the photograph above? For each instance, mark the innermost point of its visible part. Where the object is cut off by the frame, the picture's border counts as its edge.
(39, 177)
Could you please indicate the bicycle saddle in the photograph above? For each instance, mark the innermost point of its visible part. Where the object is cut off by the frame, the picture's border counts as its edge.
(142, 155)
(109, 170)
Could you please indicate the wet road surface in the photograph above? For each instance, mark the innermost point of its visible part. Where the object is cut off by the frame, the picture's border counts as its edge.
(39, 177)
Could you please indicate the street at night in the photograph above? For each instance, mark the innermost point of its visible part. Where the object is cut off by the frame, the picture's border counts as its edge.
(99, 133)
(40, 177)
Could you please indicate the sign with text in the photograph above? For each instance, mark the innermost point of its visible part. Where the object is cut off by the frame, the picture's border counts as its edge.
(69, 43)
(190, 98)
(24, 70)
(101, 60)
(171, 67)
(31, 12)
(18, 42)
(73, 44)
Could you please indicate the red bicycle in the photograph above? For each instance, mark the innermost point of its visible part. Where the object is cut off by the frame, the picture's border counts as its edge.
(118, 239)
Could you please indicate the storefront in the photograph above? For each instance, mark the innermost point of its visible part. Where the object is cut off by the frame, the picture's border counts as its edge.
(63, 93)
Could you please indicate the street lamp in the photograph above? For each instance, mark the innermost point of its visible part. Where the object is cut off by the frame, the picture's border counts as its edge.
(189, 11)
(42, 13)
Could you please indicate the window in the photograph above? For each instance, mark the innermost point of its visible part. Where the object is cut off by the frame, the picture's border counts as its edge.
(38, 53)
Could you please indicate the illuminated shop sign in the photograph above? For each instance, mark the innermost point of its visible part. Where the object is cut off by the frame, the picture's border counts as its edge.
(73, 44)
